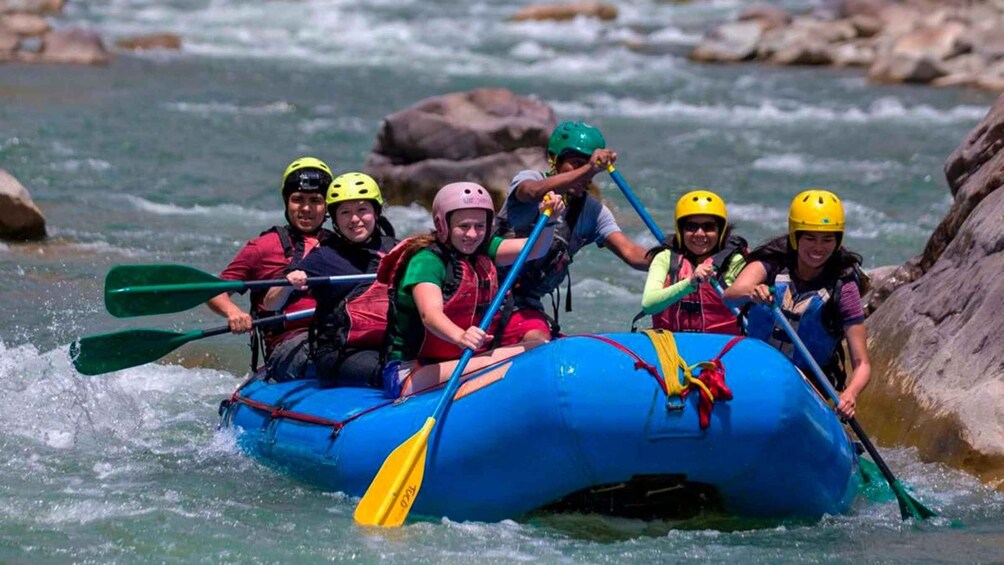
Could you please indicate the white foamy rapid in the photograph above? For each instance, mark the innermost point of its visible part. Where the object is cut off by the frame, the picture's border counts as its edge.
(218, 211)
(48, 403)
(768, 111)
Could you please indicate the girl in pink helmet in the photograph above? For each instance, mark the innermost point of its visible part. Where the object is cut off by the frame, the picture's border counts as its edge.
(444, 282)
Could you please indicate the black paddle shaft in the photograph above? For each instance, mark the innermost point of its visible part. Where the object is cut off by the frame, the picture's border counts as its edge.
(282, 282)
(259, 322)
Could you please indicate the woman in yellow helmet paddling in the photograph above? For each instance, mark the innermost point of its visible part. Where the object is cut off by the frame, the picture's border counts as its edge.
(678, 293)
(817, 284)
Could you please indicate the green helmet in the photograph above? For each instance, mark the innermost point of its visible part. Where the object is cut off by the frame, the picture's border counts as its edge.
(574, 137)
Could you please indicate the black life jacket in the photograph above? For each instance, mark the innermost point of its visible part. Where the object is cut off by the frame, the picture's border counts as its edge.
(543, 277)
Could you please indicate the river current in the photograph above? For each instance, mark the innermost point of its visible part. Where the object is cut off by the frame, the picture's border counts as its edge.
(176, 157)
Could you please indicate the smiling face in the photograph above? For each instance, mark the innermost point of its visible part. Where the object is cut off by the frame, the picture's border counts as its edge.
(570, 162)
(700, 233)
(467, 229)
(815, 248)
(305, 211)
(355, 220)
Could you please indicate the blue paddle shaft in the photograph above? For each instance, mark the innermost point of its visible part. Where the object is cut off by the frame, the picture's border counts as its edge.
(804, 352)
(454, 383)
(638, 207)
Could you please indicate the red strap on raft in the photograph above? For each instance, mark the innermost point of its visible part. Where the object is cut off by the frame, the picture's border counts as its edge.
(713, 377)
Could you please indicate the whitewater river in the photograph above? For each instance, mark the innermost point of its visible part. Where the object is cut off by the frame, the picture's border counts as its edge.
(177, 158)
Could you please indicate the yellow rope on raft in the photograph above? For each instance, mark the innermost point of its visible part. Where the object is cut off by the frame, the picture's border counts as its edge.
(672, 363)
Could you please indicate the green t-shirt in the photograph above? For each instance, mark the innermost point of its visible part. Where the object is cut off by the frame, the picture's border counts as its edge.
(423, 267)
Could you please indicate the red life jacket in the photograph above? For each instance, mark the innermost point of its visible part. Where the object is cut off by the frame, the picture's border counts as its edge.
(467, 292)
(699, 311)
(363, 317)
(464, 302)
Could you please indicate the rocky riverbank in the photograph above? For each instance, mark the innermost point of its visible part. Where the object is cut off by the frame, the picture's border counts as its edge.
(937, 356)
(941, 43)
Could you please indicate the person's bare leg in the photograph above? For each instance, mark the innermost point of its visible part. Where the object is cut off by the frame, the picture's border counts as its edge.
(432, 375)
(536, 336)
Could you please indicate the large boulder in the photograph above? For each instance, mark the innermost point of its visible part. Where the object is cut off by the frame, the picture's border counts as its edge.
(20, 218)
(73, 46)
(483, 135)
(937, 355)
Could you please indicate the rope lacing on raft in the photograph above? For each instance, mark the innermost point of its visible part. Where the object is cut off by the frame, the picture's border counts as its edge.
(277, 411)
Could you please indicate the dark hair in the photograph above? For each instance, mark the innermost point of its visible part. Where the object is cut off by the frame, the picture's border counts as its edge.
(780, 252)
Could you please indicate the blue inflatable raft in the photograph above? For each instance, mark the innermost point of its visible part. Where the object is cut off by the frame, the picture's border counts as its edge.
(577, 423)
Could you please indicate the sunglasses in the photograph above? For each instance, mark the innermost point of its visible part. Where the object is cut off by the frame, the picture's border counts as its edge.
(694, 226)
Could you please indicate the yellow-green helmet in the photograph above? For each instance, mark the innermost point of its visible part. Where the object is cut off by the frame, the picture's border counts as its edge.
(701, 202)
(306, 174)
(815, 210)
(353, 186)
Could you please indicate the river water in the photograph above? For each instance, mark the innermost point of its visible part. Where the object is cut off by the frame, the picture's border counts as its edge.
(176, 158)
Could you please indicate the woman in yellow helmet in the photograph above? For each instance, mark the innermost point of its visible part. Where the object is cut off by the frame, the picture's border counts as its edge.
(361, 236)
(817, 283)
(678, 293)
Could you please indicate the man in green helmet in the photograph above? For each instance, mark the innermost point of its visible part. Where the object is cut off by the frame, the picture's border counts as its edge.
(270, 256)
(576, 152)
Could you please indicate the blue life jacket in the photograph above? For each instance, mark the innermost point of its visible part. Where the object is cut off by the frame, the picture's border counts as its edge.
(810, 314)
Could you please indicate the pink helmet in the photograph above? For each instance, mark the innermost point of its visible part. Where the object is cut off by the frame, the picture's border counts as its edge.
(459, 196)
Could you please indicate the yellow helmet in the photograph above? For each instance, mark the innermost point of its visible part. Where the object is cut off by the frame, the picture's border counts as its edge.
(701, 202)
(815, 210)
(353, 186)
(314, 176)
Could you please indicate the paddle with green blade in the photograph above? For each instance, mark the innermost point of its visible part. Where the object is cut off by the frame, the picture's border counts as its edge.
(145, 290)
(104, 353)
(393, 491)
(909, 507)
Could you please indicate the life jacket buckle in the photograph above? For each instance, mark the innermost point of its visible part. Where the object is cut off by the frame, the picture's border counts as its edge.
(676, 406)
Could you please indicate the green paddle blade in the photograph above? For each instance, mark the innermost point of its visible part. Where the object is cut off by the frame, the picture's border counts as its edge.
(910, 507)
(873, 485)
(104, 353)
(144, 290)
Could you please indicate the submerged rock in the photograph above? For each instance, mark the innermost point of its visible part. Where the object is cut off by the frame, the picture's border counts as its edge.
(937, 353)
(153, 41)
(20, 218)
(566, 11)
(483, 135)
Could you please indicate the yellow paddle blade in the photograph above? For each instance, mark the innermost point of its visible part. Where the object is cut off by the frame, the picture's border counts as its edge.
(389, 498)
